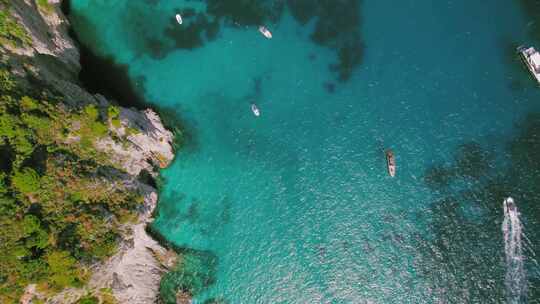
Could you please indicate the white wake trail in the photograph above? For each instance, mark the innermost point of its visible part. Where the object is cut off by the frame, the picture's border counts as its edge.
(515, 279)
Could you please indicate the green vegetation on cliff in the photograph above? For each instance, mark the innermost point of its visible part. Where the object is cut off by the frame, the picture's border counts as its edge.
(61, 200)
(45, 6)
(11, 32)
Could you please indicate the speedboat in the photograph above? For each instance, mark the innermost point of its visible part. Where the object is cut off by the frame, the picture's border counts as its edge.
(391, 162)
(179, 18)
(509, 204)
(266, 33)
(255, 110)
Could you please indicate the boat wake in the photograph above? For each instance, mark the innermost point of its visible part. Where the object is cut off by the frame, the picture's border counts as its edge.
(515, 279)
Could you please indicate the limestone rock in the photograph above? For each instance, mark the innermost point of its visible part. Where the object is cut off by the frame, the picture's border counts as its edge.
(148, 146)
(48, 31)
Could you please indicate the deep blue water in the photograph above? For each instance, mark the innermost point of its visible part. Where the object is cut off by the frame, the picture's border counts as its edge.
(296, 206)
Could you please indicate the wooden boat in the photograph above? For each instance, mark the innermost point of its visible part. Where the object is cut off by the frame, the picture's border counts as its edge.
(266, 33)
(391, 162)
(179, 18)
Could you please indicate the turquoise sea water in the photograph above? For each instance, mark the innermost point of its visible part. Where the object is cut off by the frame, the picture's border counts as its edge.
(296, 206)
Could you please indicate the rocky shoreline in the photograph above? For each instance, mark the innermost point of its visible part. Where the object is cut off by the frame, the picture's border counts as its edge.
(52, 60)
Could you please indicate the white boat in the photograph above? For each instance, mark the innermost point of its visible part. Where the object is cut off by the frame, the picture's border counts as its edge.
(265, 32)
(509, 204)
(531, 58)
(179, 18)
(255, 110)
(391, 162)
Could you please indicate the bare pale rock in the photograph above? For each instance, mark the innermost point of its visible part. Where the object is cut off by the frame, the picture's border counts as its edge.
(150, 146)
(48, 31)
(29, 294)
(134, 272)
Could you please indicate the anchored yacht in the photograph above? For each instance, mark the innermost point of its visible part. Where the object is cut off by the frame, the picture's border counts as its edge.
(265, 32)
(179, 18)
(531, 58)
(391, 162)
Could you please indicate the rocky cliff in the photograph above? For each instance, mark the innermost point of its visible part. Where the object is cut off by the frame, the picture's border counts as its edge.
(51, 60)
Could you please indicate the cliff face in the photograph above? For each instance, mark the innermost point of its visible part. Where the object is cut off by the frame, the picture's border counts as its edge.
(52, 56)
(52, 61)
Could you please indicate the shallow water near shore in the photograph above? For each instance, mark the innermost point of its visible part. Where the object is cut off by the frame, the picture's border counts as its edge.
(296, 206)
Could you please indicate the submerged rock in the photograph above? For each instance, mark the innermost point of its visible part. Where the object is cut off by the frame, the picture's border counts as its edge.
(183, 298)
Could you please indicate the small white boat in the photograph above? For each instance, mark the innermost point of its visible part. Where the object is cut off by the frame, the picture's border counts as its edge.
(179, 18)
(531, 58)
(391, 162)
(255, 110)
(509, 205)
(265, 32)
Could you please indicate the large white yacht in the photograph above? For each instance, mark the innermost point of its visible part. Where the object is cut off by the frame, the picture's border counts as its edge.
(531, 58)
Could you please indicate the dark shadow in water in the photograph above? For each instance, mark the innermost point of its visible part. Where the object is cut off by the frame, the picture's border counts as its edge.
(216, 301)
(177, 208)
(330, 87)
(167, 208)
(199, 28)
(65, 6)
(256, 93)
(152, 2)
(471, 161)
(194, 272)
(193, 213)
(104, 75)
(245, 12)
(337, 27)
(468, 248)
(438, 176)
(211, 224)
(196, 269)
(532, 9)
(194, 32)
(184, 129)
